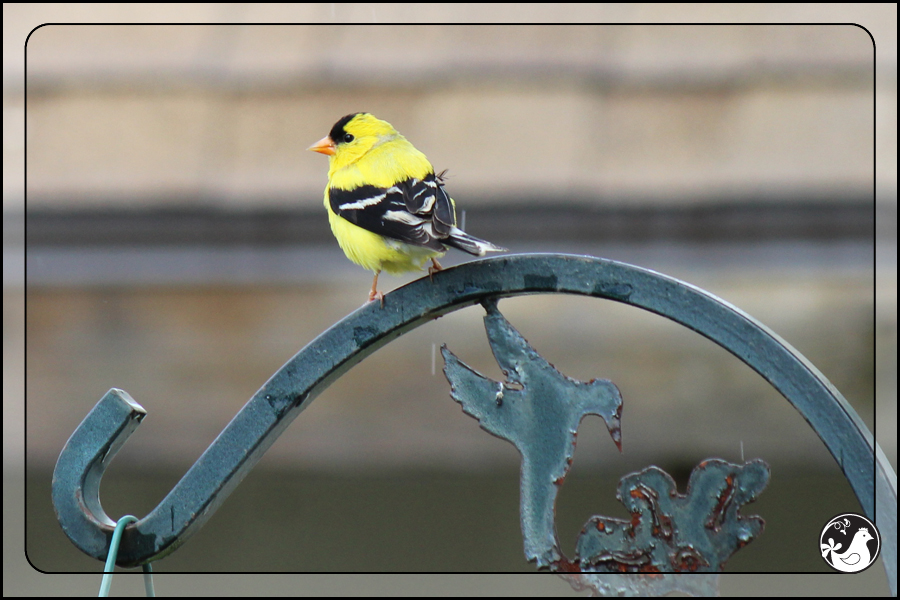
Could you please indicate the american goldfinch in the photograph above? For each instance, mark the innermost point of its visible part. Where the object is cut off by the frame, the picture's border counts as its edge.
(387, 208)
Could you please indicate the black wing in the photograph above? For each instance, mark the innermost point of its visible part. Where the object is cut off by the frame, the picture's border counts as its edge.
(415, 211)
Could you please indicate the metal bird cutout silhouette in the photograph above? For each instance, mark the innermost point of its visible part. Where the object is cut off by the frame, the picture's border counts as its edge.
(538, 409)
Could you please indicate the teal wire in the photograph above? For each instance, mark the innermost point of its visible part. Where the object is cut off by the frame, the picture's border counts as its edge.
(113, 552)
(148, 581)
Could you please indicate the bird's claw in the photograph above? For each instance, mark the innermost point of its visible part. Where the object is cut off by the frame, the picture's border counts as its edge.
(373, 295)
(434, 268)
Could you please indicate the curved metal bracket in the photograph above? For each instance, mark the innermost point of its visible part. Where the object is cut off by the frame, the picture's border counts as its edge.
(236, 450)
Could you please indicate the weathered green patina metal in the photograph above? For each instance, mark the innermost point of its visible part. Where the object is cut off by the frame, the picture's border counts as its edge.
(538, 409)
(692, 533)
(253, 430)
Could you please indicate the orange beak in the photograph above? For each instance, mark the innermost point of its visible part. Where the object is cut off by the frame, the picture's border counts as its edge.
(323, 146)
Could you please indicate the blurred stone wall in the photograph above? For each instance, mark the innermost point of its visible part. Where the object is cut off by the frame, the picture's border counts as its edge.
(157, 114)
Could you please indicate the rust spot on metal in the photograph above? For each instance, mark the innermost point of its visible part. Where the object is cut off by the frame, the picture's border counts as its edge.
(564, 565)
(724, 501)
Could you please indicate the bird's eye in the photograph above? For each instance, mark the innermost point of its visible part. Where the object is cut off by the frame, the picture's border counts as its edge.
(348, 137)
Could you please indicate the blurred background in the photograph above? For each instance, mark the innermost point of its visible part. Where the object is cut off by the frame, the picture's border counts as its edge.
(169, 239)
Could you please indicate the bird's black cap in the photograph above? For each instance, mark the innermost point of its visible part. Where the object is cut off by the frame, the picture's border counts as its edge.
(337, 132)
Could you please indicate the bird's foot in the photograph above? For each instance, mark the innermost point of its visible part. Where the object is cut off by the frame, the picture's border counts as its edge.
(434, 268)
(375, 295)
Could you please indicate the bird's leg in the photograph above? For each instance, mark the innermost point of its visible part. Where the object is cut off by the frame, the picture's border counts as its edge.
(374, 293)
(434, 268)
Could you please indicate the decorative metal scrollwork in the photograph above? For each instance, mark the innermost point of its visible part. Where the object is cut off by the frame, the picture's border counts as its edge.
(538, 410)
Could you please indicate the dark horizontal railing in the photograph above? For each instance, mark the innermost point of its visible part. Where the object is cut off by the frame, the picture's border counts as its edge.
(849, 218)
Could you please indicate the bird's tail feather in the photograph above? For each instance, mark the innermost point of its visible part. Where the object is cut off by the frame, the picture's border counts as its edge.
(461, 240)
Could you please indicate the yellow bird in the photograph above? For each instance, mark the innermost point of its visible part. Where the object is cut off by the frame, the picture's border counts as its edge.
(387, 208)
